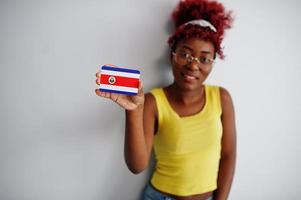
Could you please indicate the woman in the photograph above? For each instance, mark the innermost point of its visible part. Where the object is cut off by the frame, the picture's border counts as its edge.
(189, 124)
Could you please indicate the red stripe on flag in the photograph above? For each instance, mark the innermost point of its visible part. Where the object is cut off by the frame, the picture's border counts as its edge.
(120, 81)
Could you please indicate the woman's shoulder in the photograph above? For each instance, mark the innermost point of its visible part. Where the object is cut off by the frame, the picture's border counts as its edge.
(150, 100)
(225, 97)
(225, 94)
(155, 90)
(156, 93)
(223, 91)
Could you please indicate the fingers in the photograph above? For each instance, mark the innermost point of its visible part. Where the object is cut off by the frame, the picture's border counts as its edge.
(108, 95)
(98, 74)
(97, 81)
(99, 93)
(115, 97)
(140, 87)
(98, 78)
(102, 94)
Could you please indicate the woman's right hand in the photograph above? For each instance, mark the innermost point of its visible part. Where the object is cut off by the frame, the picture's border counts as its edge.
(125, 101)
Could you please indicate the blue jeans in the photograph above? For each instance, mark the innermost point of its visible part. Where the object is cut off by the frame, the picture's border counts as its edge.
(149, 193)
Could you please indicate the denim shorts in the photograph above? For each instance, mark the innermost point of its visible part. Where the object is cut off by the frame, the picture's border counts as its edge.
(149, 193)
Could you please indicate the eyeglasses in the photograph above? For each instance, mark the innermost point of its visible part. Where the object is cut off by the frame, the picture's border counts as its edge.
(183, 58)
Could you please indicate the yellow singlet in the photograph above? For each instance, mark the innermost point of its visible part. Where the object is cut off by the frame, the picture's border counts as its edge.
(187, 149)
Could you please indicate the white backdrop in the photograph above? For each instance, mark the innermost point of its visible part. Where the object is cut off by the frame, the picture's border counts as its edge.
(58, 140)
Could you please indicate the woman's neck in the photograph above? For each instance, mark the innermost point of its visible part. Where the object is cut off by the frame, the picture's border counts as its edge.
(186, 96)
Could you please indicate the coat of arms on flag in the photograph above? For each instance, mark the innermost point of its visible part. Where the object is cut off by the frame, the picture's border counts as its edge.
(119, 80)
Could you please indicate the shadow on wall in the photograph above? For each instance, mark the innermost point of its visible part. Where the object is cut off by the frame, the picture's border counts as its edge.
(163, 65)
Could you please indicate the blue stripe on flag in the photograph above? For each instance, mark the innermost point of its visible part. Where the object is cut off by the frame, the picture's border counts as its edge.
(117, 69)
(117, 91)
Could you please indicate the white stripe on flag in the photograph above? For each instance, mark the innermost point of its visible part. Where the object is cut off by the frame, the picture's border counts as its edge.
(119, 88)
(116, 73)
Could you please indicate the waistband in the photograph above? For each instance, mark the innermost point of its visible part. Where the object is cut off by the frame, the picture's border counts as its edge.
(150, 193)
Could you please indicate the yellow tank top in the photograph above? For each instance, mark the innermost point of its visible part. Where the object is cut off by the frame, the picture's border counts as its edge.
(187, 149)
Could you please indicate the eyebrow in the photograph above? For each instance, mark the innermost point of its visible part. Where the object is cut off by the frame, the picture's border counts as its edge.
(203, 52)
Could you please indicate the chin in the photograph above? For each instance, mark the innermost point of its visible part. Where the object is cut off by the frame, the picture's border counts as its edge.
(190, 87)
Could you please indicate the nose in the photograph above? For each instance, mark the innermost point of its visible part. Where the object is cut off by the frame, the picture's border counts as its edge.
(193, 65)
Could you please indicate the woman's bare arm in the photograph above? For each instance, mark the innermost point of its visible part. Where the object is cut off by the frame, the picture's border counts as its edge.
(228, 153)
(139, 133)
(141, 114)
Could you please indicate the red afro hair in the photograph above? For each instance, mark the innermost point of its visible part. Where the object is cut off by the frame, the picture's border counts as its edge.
(211, 11)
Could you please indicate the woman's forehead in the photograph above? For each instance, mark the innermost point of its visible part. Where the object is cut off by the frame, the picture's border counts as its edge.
(196, 45)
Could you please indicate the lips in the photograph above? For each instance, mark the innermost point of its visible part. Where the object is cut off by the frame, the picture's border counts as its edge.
(189, 76)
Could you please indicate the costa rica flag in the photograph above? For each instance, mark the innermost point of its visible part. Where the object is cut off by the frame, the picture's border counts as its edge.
(119, 80)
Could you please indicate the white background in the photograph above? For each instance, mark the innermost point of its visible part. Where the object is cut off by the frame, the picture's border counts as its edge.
(58, 140)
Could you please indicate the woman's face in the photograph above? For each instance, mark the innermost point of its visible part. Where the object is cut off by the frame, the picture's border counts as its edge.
(192, 62)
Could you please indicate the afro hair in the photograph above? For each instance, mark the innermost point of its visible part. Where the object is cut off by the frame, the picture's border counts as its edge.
(211, 11)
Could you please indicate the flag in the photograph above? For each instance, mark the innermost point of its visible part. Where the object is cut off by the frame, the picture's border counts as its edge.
(119, 80)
